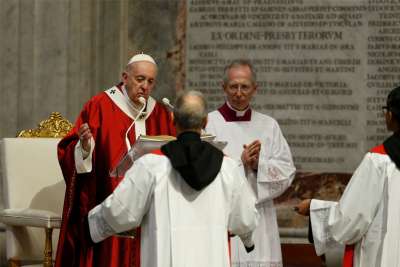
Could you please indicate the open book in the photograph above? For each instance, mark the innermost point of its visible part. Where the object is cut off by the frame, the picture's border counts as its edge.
(145, 144)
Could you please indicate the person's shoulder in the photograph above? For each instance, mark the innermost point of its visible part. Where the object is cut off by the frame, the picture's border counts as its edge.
(215, 114)
(232, 172)
(155, 161)
(378, 154)
(98, 98)
(264, 117)
(96, 101)
(377, 157)
(261, 115)
(229, 164)
(379, 149)
(214, 111)
(148, 168)
(159, 108)
(154, 157)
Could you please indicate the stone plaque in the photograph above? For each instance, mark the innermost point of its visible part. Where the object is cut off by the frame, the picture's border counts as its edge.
(324, 68)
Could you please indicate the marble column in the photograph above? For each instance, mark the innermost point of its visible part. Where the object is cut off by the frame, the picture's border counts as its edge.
(56, 54)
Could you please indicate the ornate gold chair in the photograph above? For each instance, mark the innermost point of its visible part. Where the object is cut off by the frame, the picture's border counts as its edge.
(33, 192)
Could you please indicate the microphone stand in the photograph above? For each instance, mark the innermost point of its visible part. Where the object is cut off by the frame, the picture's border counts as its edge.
(143, 101)
(168, 104)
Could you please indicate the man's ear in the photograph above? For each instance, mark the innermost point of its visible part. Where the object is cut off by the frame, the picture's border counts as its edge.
(173, 118)
(205, 121)
(390, 120)
(124, 76)
(223, 85)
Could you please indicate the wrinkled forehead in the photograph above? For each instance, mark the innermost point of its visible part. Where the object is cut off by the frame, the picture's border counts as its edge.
(143, 68)
(240, 81)
(240, 74)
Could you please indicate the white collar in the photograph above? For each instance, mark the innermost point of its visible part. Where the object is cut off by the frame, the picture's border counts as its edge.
(239, 113)
(126, 105)
(133, 105)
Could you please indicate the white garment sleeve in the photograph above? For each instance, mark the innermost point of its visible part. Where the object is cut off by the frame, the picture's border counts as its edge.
(124, 209)
(275, 168)
(83, 159)
(319, 216)
(347, 222)
(243, 217)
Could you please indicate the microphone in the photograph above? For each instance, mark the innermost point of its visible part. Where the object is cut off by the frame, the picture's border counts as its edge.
(141, 113)
(142, 100)
(138, 108)
(167, 103)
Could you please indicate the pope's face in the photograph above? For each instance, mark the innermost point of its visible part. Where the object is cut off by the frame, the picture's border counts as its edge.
(139, 80)
(240, 87)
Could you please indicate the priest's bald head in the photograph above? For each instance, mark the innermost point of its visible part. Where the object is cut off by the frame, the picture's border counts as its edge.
(190, 112)
(139, 77)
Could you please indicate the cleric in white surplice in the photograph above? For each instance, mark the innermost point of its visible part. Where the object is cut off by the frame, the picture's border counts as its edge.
(186, 197)
(368, 213)
(257, 140)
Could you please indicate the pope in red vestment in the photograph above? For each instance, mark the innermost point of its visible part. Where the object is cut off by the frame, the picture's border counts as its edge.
(106, 128)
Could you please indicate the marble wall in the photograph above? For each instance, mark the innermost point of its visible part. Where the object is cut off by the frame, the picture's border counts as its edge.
(56, 54)
(53, 56)
(157, 27)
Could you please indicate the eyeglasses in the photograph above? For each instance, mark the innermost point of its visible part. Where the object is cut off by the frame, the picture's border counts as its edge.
(242, 87)
(385, 109)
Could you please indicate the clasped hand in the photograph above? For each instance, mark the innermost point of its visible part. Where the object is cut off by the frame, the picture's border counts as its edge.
(251, 154)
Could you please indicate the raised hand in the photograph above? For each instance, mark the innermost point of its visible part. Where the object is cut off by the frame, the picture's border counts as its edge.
(85, 134)
(303, 208)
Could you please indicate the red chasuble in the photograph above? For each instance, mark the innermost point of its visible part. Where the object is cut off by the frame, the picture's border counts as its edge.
(108, 124)
(348, 258)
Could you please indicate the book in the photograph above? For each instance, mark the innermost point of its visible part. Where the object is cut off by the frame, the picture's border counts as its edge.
(145, 144)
